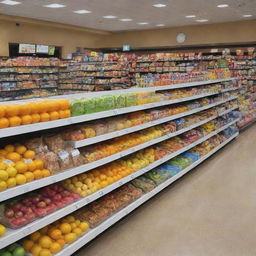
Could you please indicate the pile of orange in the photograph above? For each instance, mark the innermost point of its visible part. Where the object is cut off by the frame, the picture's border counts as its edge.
(33, 112)
(87, 183)
(18, 166)
(51, 239)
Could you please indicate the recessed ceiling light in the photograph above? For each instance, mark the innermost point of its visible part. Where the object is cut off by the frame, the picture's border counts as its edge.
(202, 20)
(109, 17)
(222, 5)
(160, 25)
(159, 5)
(247, 15)
(82, 11)
(55, 5)
(142, 23)
(10, 2)
(126, 19)
(190, 16)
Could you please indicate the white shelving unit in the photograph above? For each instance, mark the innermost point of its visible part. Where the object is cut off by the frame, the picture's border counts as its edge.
(13, 235)
(30, 186)
(83, 240)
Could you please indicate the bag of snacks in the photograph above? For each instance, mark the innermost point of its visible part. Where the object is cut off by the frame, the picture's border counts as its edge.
(55, 143)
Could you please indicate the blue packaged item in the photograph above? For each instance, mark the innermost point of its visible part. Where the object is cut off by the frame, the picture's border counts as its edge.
(172, 169)
(193, 156)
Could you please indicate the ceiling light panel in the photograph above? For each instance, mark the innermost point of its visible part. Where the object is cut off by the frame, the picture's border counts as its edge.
(142, 23)
(190, 16)
(160, 25)
(109, 17)
(82, 11)
(55, 5)
(222, 5)
(159, 5)
(10, 2)
(247, 15)
(125, 20)
(202, 20)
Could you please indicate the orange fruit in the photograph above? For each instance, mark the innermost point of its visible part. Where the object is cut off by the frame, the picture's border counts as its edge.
(27, 245)
(35, 236)
(61, 242)
(29, 154)
(2, 111)
(24, 109)
(21, 167)
(53, 105)
(14, 121)
(35, 118)
(70, 238)
(20, 149)
(46, 173)
(31, 166)
(29, 176)
(9, 148)
(3, 185)
(4, 122)
(38, 174)
(55, 247)
(55, 234)
(33, 107)
(12, 110)
(3, 152)
(67, 113)
(13, 156)
(45, 242)
(44, 230)
(3, 166)
(11, 182)
(35, 250)
(54, 115)
(39, 164)
(20, 179)
(43, 107)
(45, 252)
(62, 114)
(77, 231)
(27, 119)
(65, 228)
(64, 104)
(84, 226)
(44, 117)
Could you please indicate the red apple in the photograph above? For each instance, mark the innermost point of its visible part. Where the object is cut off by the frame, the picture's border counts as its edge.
(17, 207)
(9, 213)
(41, 204)
(18, 222)
(60, 204)
(30, 216)
(47, 200)
(52, 193)
(18, 214)
(75, 196)
(55, 187)
(65, 193)
(35, 199)
(57, 197)
(41, 212)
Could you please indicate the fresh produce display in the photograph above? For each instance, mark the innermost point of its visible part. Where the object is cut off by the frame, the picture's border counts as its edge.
(51, 239)
(20, 211)
(19, 165)
(13, 250)
(33, 112)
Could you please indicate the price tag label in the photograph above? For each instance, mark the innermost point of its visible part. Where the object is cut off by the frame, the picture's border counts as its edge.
(87, 200)
(75, 152)
(132, 176)
(101, 193)
(7, 161)
(27, 161)
(63, 155)
(120, 183)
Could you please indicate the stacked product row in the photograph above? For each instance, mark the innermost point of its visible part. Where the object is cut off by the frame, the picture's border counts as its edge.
(46, 177)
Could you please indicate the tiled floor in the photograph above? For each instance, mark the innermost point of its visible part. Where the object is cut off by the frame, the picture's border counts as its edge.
(209, 212)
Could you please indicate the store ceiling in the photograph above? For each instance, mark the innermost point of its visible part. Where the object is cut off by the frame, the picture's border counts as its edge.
(140, 11)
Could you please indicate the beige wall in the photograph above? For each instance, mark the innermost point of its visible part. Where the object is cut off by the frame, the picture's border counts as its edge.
(70, 37)
(30, 31)
(232, 32)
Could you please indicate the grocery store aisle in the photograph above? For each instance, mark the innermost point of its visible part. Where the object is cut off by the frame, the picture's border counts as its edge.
(210, 211)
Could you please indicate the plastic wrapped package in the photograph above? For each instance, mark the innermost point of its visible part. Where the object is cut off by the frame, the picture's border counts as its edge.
(130, 99)
(155, 176)
(37, 145)
(112, 125)
(193, 156)
(120, 101)
(89, 105)
(98, 128)
(55, 143)
(77, 158)
(65, 160)
(104, 103)
(89, 131)
(144, 184)
(50, 160)
(73, 135)
(77, 107)
(170, 170)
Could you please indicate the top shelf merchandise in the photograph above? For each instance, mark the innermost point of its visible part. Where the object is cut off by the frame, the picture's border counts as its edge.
(95, 72)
